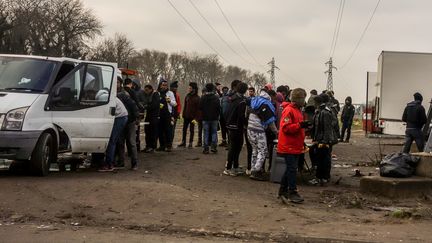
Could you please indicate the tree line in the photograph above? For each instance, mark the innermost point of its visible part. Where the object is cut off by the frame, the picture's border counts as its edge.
(67, 28)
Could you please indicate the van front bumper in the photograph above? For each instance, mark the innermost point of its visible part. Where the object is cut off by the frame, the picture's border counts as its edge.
(17, 145)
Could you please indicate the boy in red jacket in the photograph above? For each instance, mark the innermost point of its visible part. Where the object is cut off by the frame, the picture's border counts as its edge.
(291, 144)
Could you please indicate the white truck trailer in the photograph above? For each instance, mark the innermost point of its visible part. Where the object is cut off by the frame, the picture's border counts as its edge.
(400, 75)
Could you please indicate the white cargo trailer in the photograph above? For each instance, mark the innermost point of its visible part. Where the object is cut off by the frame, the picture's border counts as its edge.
(400, 75)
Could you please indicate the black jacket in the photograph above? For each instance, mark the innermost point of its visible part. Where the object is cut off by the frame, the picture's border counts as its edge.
(325, 128)
(152, 105)
(348, 112)
(235, 115)
(134, 96)
(414, 115)
(133, 113)
(210, 107)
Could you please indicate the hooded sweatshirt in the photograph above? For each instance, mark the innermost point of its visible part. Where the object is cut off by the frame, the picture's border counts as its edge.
(235, 114)
(209, 105)
(348, 111)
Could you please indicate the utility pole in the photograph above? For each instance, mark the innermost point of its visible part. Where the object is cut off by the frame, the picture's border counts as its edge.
(329, 73)
(273, 67)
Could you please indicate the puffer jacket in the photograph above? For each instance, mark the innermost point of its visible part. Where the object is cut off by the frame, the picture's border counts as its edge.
(291, 135)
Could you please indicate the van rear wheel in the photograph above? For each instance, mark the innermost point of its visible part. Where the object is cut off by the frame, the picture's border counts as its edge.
(43, 155)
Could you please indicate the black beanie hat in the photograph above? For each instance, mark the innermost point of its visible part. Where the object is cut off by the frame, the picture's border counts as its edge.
(174, 84)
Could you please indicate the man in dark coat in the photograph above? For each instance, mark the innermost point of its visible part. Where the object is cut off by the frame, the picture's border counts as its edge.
(324, 136)
(415, 117)
(168, 106)
(210, 109)
(152, 107)
(190, 113)
(347, 119)
(235, 115)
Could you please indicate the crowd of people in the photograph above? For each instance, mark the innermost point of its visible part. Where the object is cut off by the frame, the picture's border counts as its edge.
(265, 120)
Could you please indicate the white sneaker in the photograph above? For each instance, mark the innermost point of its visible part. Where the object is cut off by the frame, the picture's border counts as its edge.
(314, 182)
(248, 172)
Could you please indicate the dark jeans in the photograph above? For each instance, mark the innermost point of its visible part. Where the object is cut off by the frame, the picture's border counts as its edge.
(323, 157)
(413, 134)
(249, 151)
(210, 133)
(186, 123)
(346, 126)
(289, 179)
(200, 130)
(235, 138)
(165, 129)
(301, 162)
(313, 154)
(128, 137)
(151, 132)
(224, 130)
(119, 124)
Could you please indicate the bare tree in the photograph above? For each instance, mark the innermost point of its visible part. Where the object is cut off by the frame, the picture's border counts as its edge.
(118, 49)
(48, 27)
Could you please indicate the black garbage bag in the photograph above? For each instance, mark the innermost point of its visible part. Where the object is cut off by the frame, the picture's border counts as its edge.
(398, 165)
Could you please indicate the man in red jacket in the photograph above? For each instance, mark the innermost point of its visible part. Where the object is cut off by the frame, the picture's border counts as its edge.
(291, 144)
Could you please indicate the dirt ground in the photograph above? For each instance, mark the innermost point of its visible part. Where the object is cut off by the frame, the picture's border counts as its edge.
(182, 196)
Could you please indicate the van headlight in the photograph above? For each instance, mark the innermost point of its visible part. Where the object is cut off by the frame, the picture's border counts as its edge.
(14, 119)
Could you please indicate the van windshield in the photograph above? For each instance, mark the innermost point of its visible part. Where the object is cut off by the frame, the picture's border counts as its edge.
(19, 74)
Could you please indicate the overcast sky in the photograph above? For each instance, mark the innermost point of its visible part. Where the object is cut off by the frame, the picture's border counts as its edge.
(298, 33)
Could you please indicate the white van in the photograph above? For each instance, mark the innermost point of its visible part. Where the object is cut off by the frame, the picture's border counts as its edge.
(54, 105)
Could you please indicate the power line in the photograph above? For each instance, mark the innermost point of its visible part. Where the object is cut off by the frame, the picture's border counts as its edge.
(235, 33)
(196, 32)
(362, 35)
(337, 27)
(291, 78)
(216, 32)
(338, 30)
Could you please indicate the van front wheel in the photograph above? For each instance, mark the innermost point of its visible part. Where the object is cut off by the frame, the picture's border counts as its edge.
(43, 155)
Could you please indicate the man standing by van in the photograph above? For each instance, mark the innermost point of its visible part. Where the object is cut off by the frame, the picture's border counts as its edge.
(121, 117)
(415, 117)
(129, 133)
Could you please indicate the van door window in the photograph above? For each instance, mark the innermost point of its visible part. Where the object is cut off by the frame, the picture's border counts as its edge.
(97, 85)
(87, 86)
(64, 70)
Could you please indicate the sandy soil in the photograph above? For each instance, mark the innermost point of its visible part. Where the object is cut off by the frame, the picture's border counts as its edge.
(182, 197)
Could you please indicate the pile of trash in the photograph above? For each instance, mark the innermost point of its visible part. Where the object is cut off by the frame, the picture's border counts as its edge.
(399, 165)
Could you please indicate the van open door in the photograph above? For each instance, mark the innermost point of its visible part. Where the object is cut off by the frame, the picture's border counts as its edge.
(81, 105)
